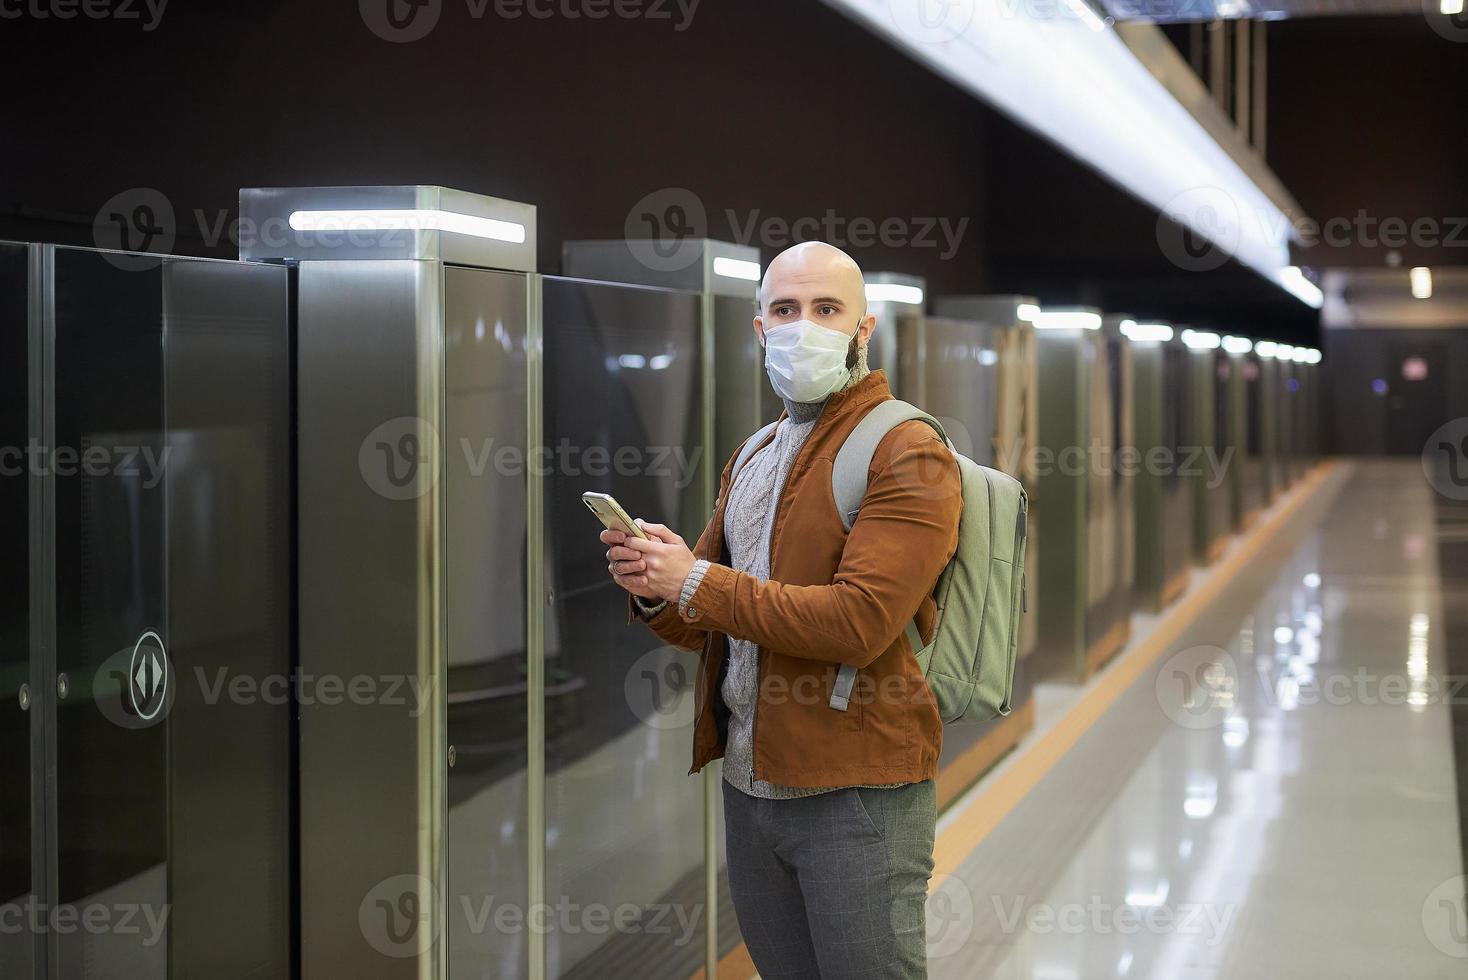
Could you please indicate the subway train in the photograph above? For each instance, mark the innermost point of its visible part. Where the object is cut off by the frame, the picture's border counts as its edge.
(338, 681)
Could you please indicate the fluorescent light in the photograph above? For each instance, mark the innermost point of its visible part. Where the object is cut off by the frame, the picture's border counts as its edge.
(1300, 355)
(1284, 352)
(1089, 93)
(892, 292)
(1144, 333)
(409, 220)
(1266, 348)
(1201, 339)
(736, 269)
(1292, 279)
(1066, 320)
(1422, 276)
(1238, 345)
(1314, 356)
(1452, 8)
(1027, 312)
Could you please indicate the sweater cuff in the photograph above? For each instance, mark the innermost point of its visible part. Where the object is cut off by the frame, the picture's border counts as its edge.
(691, 583)
(649, 609)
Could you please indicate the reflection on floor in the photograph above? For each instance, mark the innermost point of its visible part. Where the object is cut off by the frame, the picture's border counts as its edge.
(1274, 797)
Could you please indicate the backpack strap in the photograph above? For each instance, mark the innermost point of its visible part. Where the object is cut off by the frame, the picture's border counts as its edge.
(750, 447)
(849, 487)
(854, 459)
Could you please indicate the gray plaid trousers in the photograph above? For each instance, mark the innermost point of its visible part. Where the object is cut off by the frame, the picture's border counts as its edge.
(833, 886)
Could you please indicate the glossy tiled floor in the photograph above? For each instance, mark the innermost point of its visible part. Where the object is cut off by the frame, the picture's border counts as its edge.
(1274, 798)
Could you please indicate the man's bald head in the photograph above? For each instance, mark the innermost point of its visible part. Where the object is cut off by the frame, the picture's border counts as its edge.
(811, 261)
(816, 282)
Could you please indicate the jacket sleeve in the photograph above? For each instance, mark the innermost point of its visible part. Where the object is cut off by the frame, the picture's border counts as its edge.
(903, 537)
(667, 624)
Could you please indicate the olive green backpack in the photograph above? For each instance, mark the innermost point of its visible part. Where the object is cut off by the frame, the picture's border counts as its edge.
(969, 664)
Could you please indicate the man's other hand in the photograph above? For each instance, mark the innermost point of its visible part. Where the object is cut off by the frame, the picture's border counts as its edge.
(626, 566)
(660, 564)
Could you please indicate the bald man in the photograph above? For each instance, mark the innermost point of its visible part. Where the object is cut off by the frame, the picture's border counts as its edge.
(829, 803)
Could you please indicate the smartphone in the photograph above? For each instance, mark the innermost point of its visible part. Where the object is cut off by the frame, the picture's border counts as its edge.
(606, 508)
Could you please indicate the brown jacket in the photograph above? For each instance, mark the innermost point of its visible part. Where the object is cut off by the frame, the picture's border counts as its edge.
(832, 599)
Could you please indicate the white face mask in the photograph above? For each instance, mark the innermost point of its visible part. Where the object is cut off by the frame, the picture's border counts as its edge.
(806, 361)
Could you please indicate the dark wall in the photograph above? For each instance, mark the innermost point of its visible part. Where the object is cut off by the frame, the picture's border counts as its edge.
(1366, 114)
(761, 108)
(766, 108)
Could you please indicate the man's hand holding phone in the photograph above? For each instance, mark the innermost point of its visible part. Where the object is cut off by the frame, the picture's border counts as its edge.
(653, 567)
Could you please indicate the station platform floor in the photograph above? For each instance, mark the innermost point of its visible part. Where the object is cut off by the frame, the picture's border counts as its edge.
(1262, 785)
